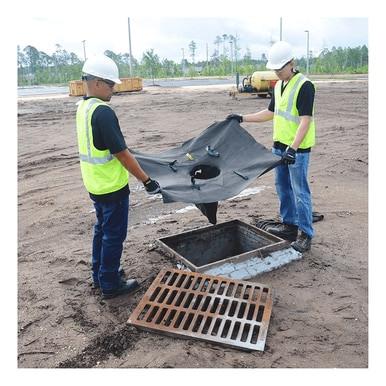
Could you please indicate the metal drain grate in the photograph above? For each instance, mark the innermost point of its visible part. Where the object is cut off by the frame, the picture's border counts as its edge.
(211, 308)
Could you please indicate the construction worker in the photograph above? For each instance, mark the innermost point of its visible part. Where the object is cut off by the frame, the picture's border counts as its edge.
(292, 111)
(105, 162)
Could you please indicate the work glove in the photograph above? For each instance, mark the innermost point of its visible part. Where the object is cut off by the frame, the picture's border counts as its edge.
(152, 186)
(238, 117)
(289, 156)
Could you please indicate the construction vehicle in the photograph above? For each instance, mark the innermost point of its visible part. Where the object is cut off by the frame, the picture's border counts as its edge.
(260, 83)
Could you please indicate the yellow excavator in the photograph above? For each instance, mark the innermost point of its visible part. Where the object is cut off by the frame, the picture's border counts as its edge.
(260, 83)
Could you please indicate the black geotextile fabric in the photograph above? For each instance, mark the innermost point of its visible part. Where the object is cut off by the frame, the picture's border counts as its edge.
(218, 164)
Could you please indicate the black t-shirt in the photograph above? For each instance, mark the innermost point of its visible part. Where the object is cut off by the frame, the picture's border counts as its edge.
(107, 134)
(305, 101)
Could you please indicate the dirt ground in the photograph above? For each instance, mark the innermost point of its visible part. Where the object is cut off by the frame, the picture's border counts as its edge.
(320, 312)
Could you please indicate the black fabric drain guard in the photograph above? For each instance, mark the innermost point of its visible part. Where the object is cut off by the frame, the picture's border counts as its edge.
(234, 313)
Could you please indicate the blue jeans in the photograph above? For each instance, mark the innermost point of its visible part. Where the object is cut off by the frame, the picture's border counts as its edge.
(294, 192)
(110, 232)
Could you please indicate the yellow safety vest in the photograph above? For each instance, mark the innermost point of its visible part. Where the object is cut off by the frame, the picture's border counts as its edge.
(286, 116)
(101, 172)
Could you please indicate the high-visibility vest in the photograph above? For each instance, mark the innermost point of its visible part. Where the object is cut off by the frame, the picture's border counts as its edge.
(286, 116)
(101, 172)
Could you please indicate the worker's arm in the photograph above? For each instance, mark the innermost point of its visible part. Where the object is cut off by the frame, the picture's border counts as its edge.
(131, 164)
(302, 130)
(261, 116)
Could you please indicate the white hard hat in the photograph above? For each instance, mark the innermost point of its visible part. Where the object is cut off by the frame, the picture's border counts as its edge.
(279, 54)
(102, 67)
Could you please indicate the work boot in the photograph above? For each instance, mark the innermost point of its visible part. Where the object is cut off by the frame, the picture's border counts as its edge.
(302, 243)
(284, 231)
(95, 285)
(125, 287)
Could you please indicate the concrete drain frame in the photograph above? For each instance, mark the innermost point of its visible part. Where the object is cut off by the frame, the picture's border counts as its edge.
(233, 249)
(233, 313)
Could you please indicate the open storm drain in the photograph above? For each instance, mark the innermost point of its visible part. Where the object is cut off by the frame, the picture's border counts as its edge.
(233, 249)
(211, 308)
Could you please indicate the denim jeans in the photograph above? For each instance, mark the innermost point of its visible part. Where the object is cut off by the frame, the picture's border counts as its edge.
(294, 192)
(110, 232)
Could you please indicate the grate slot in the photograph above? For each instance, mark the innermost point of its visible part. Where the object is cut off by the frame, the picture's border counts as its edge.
(170, 317)
(245, 333)
(264, 295)
(221, 288)
(215, 305)
(197, 283)
(226, 329)
(180, 298)
(207, 325)
(230, 312)
(255, 334)
(230, 290)
(242, 308)
(188, 300)
(197, 323)
(161, 316)
(224, 307)
(256, 294)
(144, 312)
(260, 313)
(212, 289)
(251, 311)
(206, 304)
(189, 282)
(197, 302)
(152, 314)
(155, 294)
(181, 280)
(235, 331)
(163, 295)
(247, 292)
(172, 297)
(165, 277)
(205, 285)
(239, 289)
(188, 321)
(173, 279)
(216, 327)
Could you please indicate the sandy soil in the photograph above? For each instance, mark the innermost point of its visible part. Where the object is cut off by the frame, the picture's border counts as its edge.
(320, 312)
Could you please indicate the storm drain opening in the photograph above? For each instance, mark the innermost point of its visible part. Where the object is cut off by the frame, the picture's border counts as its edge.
(232, 246)
(215, 309)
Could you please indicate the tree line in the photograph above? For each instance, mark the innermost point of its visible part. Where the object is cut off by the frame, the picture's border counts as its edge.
(37, 67)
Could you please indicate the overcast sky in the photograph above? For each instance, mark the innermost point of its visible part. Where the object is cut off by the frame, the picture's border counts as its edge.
(168, 35)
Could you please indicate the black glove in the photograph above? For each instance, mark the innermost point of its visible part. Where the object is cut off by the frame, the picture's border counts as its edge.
(152, 186)
(238, 117)
(289, 156)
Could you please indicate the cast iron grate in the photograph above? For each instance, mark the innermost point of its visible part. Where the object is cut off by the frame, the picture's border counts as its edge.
(189, 304)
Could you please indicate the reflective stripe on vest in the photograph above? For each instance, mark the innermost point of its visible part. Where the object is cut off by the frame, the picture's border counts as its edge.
(87, 157)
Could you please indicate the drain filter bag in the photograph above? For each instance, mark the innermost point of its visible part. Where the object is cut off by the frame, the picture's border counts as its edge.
(218, 164)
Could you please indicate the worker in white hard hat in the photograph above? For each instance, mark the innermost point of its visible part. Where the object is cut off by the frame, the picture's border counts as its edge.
(105, 163)
(292, 111)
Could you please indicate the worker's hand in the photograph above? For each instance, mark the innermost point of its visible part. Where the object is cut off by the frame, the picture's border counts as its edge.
(289, 156)
(152, 186)
(238, 117)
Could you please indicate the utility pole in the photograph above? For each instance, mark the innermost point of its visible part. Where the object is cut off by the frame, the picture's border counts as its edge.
(84, 49)
(308, 51)
(281, 29)
(130, 61)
